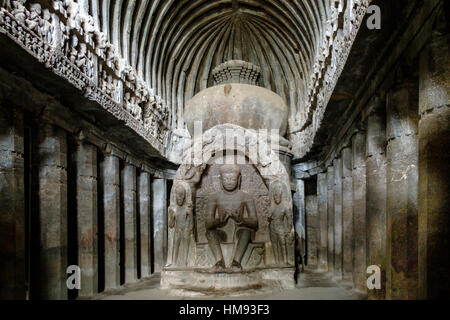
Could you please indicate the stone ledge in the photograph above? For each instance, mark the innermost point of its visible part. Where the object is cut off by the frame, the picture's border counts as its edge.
(192, 283)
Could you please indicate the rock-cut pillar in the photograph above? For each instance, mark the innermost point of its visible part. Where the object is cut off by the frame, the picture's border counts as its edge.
(434, 165)
(323, 221)
(12, 210)
(330, 216)
(111, 204)
(159, 215)
(402, 188)
(337, 164)
(299, 217)
(376, 193)
(85, 160)
(347, 215)
(51, 166)
(129, 198)
(144, 200)
(359, 212)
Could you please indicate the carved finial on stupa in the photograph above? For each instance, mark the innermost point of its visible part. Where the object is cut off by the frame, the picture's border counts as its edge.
(236, 71)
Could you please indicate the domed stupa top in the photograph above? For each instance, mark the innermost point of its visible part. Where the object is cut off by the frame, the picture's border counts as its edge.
(236, 99)
(236, 71)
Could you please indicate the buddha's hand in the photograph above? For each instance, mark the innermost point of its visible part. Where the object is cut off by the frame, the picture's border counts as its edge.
(247, 222)
(215, 222)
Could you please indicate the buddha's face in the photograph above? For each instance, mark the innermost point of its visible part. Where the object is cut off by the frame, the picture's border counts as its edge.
(277, 194)
(229, 180)
(180, 195)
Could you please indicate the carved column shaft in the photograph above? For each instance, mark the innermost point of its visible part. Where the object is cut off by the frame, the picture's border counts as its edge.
(144, 183)
(337, 164)
(323, 220)
(111, 204)
(434, 166)
(330, 222)
(312, 229)
(359, 212)
(51, 167)
(376, 194)
(347, 215)
(402, 188)
(12, 210)
(159, 195)
(129, 198)
(85, 160)
(299, 214)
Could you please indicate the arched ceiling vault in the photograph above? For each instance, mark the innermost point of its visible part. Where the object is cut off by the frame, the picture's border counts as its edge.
(175, 44)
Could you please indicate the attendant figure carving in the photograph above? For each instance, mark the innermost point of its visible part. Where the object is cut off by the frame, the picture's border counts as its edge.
(279, 223)
(181, 220)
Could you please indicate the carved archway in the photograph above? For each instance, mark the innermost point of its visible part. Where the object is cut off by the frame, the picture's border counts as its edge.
(257, 152)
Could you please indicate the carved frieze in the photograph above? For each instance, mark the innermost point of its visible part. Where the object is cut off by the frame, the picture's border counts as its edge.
(330, 61)
(66, 40)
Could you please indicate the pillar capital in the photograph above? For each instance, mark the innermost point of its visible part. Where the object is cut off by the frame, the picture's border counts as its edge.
(86, 135)
(111, 150)
(376, 105)
(81, 136)
(359, 150)
(434, 71)
(130, 160)
(346, 162)
(146, 168)
(358, 129)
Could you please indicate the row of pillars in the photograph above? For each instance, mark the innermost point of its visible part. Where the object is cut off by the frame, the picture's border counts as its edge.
(64, 201)
(383, 200)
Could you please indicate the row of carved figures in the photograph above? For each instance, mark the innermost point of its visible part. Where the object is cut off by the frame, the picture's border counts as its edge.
(229, 206)
(153, 112)
(72, 32)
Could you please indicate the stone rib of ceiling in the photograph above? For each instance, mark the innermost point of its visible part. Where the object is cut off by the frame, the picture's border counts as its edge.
(174, 44)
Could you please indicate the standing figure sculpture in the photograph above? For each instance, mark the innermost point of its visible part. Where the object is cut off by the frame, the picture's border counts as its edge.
(181, 220)
(228, 203)
(279, 223)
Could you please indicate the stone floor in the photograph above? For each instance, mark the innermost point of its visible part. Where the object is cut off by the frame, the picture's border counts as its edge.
(311, 285)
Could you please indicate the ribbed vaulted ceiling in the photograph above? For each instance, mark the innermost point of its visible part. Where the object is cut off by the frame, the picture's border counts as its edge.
(175, 44)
